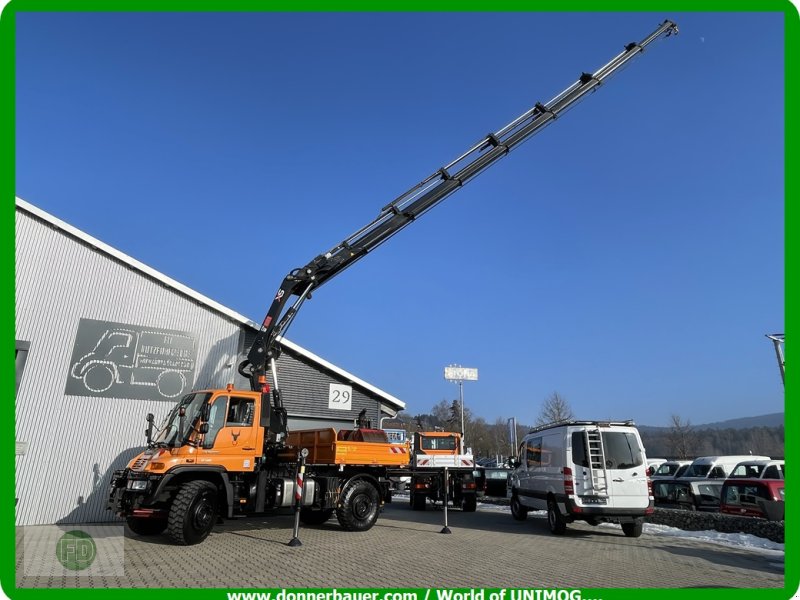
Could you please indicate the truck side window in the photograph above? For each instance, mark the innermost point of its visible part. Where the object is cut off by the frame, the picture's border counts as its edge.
(240, 411)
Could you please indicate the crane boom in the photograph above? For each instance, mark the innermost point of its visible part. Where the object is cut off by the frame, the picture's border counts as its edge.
(404, 209)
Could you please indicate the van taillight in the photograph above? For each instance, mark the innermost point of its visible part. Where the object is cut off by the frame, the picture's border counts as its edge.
(569, 485)
(650, 487)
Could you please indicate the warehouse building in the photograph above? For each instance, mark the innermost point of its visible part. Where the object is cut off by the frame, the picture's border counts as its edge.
(102, 340)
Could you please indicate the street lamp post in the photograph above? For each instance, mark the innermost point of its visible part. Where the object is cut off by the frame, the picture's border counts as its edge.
(459, 374)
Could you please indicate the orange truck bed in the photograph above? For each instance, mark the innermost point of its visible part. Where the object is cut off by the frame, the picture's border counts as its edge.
(327, 447)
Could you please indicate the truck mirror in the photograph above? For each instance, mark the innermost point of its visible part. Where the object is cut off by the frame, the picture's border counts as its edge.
(205, 412)
(204, 428)
(149, 431)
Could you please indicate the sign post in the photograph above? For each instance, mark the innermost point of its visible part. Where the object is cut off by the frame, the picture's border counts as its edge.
(459, 375)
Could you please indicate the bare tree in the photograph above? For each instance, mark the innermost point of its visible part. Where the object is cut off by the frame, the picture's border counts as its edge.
(555, 408)
(682, 439)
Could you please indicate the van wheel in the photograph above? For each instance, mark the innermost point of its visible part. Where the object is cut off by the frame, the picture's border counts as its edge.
(554, 519)
(193, 513)
(632, 529)
(359, 506)
(519, 512)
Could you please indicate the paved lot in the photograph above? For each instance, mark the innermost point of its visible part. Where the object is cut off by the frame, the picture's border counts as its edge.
(406, 549)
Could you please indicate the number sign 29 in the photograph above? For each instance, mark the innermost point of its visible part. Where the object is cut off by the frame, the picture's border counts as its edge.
(340, 397)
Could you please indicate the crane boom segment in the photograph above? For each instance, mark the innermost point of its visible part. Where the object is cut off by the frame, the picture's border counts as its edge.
(419, 199)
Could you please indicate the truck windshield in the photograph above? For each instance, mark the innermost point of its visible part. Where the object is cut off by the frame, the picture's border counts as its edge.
(168, 432)
(438, 443)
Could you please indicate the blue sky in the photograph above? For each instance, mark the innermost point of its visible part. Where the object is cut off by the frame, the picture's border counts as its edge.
(629, 257)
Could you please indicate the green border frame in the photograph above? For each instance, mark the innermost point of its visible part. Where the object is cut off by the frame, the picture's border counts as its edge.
(7, 131)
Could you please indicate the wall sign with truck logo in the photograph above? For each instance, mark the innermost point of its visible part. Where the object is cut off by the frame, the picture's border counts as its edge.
(118, 360)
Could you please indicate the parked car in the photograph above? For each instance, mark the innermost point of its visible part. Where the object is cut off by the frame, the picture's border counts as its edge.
(653, 464)
(716, 467)
(695, 494)
(671, 469)
(758, 469)
(754, 498)
(583, 470)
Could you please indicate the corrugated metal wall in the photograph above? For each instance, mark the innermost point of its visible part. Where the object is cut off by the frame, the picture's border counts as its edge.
(73, 443)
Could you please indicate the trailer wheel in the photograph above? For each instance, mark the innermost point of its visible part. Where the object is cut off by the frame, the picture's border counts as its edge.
(359, 506)
(418, 501)
(519, 512)
(193, 513)
(146, 526)
(469, 503)
(315, 517)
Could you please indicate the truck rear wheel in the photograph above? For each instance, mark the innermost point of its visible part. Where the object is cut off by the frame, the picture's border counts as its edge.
(469, 503)
(359, 506)
(146, 526)
(193, 513)
(315, 517)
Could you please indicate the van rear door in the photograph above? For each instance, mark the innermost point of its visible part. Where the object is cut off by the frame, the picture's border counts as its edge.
(626, 468)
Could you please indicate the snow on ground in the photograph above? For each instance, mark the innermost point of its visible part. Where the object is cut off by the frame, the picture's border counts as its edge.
(732, 540)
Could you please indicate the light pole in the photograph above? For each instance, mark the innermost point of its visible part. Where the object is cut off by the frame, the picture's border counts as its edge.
(459, 375)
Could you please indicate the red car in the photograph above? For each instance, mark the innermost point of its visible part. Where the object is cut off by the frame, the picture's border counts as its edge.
(753, 498)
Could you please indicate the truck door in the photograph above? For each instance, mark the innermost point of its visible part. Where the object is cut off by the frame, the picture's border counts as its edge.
(231, 437)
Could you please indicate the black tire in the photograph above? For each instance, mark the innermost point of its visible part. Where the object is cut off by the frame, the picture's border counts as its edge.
(315, 517)
(418, 501)
(633, 530)
(519, 512)
(360, 505)
(554, 519)
(469, 503)
(193, 513)
(146, 526)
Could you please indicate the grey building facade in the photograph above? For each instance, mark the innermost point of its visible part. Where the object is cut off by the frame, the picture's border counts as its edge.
(102, 340)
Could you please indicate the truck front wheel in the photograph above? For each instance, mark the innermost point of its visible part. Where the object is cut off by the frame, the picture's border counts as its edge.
(359, 506)
(146, 526)
(193, 513)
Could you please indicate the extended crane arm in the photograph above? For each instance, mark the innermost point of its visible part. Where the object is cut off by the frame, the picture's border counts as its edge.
(419, 199)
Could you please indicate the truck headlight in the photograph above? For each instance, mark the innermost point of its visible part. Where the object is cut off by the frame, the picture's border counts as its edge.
(137, 484)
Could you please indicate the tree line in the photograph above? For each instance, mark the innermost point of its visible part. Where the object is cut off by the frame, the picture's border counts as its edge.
(679, 440)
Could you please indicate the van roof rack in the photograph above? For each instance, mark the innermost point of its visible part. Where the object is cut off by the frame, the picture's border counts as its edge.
(628, 423)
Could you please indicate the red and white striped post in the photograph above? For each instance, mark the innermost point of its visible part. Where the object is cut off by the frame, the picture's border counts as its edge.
(298, 496)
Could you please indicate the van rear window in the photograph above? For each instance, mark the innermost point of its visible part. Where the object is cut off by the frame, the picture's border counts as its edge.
(622, 450)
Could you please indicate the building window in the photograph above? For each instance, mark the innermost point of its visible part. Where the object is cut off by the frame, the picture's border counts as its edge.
(21, 355)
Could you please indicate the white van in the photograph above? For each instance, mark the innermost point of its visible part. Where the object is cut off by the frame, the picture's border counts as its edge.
(716, 467)
(583, 470)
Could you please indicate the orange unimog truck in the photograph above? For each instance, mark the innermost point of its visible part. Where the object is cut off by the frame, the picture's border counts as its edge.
(432, 452)
(214, 456)
(225, 452)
